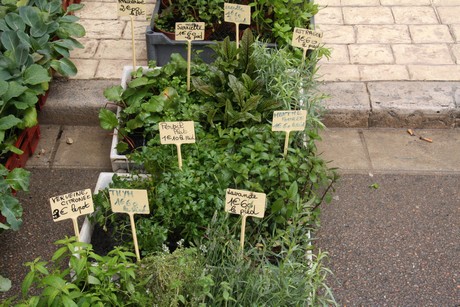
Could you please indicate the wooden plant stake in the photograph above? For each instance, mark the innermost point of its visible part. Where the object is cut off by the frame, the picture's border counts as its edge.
(131, 8)
(177, 133)
(189, 31)
(238, 14)
(288, 121)
(306, 39)
(244, 203)
(131, 202)
(71, 206)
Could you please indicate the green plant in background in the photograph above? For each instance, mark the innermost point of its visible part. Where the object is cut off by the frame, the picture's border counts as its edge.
(16, 180)
(35, 37)
(76, 276)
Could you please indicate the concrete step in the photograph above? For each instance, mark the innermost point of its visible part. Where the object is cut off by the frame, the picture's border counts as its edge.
(400, 104)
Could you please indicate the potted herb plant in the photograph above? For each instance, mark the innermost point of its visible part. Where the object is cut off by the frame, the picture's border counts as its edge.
(274, 22)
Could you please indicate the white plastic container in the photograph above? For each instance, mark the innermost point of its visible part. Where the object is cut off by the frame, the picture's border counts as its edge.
(120, 163)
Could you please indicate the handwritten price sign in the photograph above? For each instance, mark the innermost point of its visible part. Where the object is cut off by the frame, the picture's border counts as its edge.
(189, 31)
(71, 205)
(245, 203)
(306, 39)
(237, 13)
(129, 201)
(131, 8)
(177, 132)
(289, 120)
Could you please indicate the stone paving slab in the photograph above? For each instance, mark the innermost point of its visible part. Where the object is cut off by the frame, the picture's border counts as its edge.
(75, 102)
(391, 150)
(89, 148)
(46, 147)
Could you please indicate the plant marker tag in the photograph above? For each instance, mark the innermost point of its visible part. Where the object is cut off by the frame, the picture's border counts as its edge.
(289, 121)
(177, 133)
(71, 206)
(238, 14)
(244, 203)
(306, 39)
(131, 202)
(189, 31)
(132, 8)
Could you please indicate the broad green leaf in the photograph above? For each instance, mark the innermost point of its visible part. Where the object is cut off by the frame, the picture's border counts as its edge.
(30, 15)
(134, 123)
(54, 281)
(25, 39)
(21, 54)
(67, 30)
(8, 122)
(14, 21)
(9, 40)
(30, 117)
(93, 280)
(12, 210)
(68, 302)
(107, 119)
(69, 18)
(68, 43)
(238, 89)
(113, 93)
(3, 87)
(5, 284)
(36, 74)
(155, 104)
(139, 82)
(74, 7)
(64, 66)
(26, 100)
(18, 179)
(122, 147)
(62, 51)
(14, 90)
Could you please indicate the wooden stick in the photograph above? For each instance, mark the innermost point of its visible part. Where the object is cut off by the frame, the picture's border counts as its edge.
(75, 228)
(237, 35)
(179, 156)
(243, 230)
(132, 42)
(133, 230)
(189, 60)
(286, 144)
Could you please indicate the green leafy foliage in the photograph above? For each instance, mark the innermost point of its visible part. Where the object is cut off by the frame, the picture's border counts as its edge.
(16, 180)
(95, 280)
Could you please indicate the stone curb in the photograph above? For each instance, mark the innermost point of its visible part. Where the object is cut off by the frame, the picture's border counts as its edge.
(392, 104)
(351, 104)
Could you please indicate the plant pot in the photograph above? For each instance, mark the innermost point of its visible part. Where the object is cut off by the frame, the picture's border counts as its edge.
(119, 162)
(160, 46)
(103, 181)
(27, 142)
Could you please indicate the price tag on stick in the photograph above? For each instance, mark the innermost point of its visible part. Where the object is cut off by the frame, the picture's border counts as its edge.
(238, 14)
(177, 133)
(244, 203)
(306, 39)
(71, 206)
(132, 8)
(288, 121)
(189, 31)
(131, 202)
